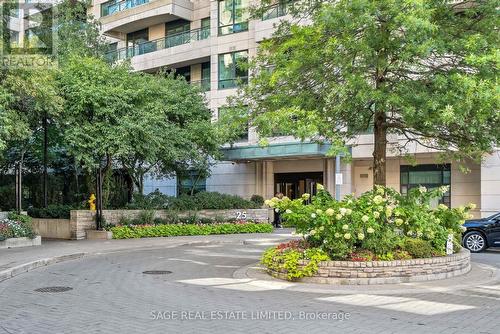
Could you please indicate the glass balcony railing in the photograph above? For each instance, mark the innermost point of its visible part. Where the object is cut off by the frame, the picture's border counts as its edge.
(276, 10)
(233, 28)
(204, 84)
(158, 44)
(232, 83)
(112, 7)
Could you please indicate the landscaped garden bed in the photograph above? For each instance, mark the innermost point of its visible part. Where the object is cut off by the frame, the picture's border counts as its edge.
(380, 237)
(16, 231)
(160, 228)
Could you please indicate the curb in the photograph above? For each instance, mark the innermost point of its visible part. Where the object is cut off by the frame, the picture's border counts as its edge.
(25, 267)
(29, 266)
(256, 272)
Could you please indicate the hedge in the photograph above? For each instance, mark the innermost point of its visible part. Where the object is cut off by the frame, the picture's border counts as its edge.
(171, 230)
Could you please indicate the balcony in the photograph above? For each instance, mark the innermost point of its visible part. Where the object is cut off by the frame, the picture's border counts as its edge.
(112, 7)
(276, 10)
(131, 15)
(204, 84)
(158, 44)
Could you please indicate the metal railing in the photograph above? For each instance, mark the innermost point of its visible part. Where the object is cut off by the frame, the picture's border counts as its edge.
(112, 7)
(158, 44)
(233, 28)
(232, 83)
(277, 10)
(204, 84)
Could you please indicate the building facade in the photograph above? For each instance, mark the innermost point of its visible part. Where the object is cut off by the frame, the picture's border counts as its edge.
(204, 40)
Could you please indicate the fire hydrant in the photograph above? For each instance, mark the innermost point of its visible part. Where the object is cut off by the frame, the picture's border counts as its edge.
(91, 202)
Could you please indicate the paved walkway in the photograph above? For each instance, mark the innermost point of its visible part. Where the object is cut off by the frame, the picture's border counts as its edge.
(204, 292)
(52, 251)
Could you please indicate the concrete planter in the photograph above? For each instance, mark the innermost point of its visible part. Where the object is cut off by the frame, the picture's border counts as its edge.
(99, 235)
(387, 272)
(21, 242)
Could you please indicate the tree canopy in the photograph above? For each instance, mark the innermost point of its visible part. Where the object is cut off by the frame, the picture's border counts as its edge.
(425, 71)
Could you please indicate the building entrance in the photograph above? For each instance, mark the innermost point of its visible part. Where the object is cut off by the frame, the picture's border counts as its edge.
(294, 185)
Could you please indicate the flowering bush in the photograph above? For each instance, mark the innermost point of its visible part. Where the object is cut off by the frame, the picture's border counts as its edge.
(16, 226)
(286, 256)
(379, 221)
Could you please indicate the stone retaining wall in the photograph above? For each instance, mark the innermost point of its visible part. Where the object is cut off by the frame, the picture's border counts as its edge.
(21, 242)
(53, 228)
(82, 220)
(384, 272)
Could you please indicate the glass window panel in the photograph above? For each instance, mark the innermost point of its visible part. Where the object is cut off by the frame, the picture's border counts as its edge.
(225, 12)
(429, 177)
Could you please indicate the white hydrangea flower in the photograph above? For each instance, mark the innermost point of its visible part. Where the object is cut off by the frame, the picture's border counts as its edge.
(319, 186)
(339, 216)
(378, 199)
(313, 215)
(442, 207)
(422, 189)
(343, 211)
(472, 206)
(319, 211)
(399, 221)
(288, 211)
(306, 196)
(348, 212)
(365, 218)
(313, 232)
(337, 235)
(361, 236)
(347, 236)
(330, 212)
(345, 227)
(277, 210)
(376, 214)
(370, 230)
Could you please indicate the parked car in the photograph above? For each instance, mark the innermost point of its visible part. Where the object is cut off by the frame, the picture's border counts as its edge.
(482, 233)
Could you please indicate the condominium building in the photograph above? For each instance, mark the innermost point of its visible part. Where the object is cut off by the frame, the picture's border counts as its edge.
(203, 40)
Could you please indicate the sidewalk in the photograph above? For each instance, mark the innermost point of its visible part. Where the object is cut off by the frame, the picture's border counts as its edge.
(15, 261)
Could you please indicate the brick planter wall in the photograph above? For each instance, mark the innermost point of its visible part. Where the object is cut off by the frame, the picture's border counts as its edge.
(82, 220)
(385, 272)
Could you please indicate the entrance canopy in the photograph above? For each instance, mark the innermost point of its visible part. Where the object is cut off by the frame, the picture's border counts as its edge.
(275, 151)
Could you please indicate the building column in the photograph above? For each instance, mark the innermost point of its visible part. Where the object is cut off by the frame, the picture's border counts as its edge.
(490, 184)
(329, 175)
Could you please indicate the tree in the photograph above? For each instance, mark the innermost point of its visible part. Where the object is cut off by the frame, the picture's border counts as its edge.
(425, 71)
(169, 131)
(147, 124)
(28, 97)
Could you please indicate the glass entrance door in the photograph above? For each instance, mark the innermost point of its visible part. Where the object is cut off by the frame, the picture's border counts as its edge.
(294, 185)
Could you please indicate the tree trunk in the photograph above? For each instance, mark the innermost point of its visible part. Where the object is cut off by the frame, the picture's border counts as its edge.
(45, 162)
(380, 149)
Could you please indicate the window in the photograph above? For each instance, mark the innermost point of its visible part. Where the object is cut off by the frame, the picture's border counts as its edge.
(233, 16)
(281, 8)
(429, 176)
(205, 28)
(205, 76)
(137, 42)
(231, 71)
(191, 183)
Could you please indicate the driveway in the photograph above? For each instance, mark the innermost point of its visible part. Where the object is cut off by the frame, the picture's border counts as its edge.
(195, 289)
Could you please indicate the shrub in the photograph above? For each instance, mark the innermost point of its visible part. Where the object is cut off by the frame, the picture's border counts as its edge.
(417, 248)
(16, 226)
(55, 211)
(258, 200)
(378, 221)
(169, 230)
(286, 259)
(151, 201)
(147, 217)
